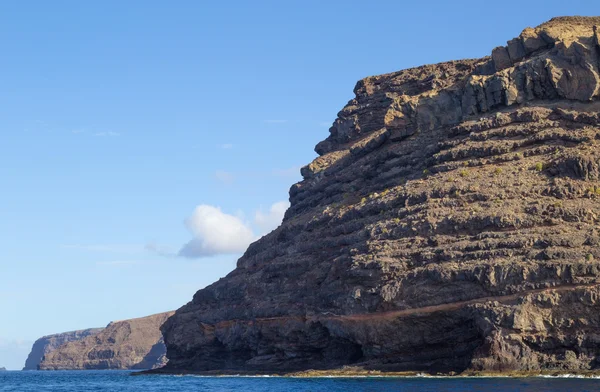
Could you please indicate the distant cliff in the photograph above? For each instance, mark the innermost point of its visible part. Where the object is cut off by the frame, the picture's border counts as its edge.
(49, 343)
(450, 224)
(127, 344)
(2, 369)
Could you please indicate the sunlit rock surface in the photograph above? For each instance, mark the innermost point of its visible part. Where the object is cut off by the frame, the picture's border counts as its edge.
(450, 223)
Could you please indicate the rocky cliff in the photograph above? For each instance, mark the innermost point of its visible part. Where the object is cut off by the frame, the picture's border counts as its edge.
(449, 224)
(127, 344)
(49, 343)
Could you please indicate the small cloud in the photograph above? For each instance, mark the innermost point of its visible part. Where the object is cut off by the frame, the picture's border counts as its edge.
(275, 121)
(270, 220)
(215, 232)
(107, 134)
(224, 176)
(226, 146)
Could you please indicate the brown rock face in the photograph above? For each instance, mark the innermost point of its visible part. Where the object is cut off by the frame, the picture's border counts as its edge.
(128, 344)
(450, 223)
(49, 343)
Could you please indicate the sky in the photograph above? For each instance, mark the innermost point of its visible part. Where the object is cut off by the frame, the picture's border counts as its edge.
(145, 144)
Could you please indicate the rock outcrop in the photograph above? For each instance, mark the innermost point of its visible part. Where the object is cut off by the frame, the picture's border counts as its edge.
(449, 224)
(127, 344)
(49, 343)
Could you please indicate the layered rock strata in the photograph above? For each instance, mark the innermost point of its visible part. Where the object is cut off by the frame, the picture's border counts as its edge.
(449, 224)
(49, 343)
(127, 344)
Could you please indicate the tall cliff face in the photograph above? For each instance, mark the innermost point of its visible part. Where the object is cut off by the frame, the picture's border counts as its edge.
(49, 343)
(449, 223)
(128, 344)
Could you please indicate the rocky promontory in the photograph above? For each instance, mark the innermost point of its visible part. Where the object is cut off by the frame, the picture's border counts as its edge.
(449, 224)
(128, 344)
(46, 344)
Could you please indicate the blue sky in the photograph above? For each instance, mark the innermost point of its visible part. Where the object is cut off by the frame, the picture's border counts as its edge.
(145, 143)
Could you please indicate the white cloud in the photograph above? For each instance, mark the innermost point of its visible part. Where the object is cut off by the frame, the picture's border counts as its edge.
(215, 232)
(107, 134)
(226, 146)
(271, 219)
(224, 176)
(275, 121)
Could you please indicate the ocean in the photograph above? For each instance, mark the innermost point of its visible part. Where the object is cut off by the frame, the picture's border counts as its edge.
(100, 381)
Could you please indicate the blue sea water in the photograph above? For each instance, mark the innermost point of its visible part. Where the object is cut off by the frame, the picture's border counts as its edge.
(99, 381)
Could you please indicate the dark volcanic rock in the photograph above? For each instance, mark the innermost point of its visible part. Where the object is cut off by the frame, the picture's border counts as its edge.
(127, 344)
(49, 343)
(450, 223)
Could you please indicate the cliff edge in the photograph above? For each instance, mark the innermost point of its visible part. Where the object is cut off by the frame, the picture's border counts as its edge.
(449, 224)
(49, 343)
(128, 344)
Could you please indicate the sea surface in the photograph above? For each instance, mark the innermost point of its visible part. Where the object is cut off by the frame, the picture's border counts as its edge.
(69, 381)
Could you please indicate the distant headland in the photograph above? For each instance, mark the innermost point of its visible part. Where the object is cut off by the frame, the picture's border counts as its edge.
(127, 344)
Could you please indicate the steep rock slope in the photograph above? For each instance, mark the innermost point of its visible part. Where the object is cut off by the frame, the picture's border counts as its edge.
(127, 344)
(49, 343)
(450, 223)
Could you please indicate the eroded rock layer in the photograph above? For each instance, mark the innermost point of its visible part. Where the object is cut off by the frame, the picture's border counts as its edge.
(127, 344)
(450, 223)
